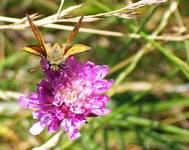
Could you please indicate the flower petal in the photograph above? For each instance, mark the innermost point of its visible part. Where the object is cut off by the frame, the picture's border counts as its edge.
(36, 128)
(72, 131)
(101, 112)
(44, 64)
(102, 86)
(25, 102)
(100, 72)
(53, 127)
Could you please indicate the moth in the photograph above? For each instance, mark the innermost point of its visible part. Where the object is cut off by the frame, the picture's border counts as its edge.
(56, 54)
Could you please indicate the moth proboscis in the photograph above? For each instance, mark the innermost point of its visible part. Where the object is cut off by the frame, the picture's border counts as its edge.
(56, 54)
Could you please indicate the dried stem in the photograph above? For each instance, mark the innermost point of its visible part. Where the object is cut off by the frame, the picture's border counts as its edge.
(127, 12)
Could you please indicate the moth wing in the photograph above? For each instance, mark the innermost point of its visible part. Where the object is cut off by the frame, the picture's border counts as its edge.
(37, 35)
(73, 33)
(76, 49)
(34, 50)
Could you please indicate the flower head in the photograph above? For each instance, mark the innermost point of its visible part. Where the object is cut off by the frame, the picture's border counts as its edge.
(65, 98)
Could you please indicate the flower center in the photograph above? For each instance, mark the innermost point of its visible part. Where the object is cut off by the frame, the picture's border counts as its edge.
(65, 96)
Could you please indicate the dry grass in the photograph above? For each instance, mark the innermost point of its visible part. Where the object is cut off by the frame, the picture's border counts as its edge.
(127, 12)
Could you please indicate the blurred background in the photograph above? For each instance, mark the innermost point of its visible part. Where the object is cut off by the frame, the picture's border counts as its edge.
(149, 63)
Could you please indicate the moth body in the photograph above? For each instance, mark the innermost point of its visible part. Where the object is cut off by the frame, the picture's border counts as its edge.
(55, 55)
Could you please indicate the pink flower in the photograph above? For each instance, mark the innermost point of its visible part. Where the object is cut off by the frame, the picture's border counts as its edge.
(68, 96)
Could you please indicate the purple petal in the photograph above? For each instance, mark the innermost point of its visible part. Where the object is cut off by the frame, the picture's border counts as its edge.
(102, 86)
(88, 64)
(53, 127)
(100, 98)
(74, 134)
(45, 91)
(71, 62)
(101, 112)
(100, 71)
(44, 64)
(25, 102)
(70, 126)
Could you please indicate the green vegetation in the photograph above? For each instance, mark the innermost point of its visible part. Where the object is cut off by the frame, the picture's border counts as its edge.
(149, 63)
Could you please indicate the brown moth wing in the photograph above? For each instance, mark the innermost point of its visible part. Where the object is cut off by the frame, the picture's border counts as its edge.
(34, 50)
(38, 36)
(75, 49)
(73, 34)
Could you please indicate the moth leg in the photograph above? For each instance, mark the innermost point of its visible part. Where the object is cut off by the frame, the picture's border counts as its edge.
(31, 70)
(64, 66)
